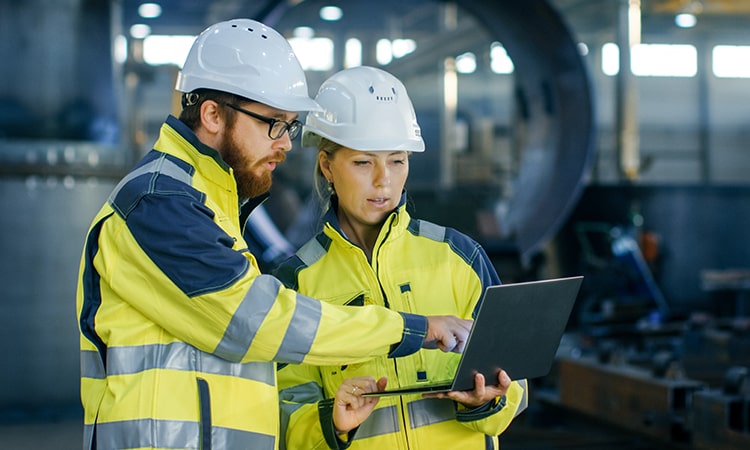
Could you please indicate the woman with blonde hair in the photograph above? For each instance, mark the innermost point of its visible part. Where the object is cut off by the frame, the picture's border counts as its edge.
(370, 251)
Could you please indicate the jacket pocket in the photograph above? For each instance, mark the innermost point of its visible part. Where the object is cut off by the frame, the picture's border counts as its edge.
(204, 403)
(359, 300)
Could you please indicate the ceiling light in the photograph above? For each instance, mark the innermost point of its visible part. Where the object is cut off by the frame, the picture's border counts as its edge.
(304, 32)
(331, 13)
(685, 20)
(140, 31)
(149, 10)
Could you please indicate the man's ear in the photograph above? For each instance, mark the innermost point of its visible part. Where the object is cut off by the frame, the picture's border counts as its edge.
(211, 118)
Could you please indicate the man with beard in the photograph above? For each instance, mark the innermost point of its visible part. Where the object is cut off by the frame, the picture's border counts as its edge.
(179, 331)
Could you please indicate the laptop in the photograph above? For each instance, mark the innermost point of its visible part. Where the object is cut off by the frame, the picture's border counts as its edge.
(518, 328)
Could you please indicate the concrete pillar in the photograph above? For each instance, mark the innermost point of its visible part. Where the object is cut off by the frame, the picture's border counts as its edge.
(628, 138)
(449, 92)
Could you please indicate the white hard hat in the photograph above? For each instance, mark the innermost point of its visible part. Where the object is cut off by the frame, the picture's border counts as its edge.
(249, 59)
(364, 108)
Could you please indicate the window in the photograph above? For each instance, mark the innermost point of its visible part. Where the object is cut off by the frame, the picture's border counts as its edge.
(500, 62)
(353, 53)
(314, 53)
(656, 60)
(387, 50)
(166, 49)
(466, 63)
(731, 61)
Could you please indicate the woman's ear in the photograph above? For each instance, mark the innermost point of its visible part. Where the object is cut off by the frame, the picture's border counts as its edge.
(325, 165)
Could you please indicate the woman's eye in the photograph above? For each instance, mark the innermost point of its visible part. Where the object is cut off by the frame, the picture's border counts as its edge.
(360, 163)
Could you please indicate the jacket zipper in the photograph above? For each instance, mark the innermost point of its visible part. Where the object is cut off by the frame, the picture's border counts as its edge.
(387, 305)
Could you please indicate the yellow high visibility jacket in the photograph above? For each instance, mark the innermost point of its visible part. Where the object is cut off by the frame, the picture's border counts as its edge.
(416, 267)
(180, 330)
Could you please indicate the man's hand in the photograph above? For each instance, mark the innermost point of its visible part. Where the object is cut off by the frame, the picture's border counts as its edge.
(448, 333)
(481, 393)
(350, 409)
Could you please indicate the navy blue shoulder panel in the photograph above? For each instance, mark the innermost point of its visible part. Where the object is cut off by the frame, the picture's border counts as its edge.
(173, 226)
(156, 172)
(92, 299)
(467, 248)
(288, 271)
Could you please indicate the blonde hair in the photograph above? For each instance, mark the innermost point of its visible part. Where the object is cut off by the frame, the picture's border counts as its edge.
(323, 188)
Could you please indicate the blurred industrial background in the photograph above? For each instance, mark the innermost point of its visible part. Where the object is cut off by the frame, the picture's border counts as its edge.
(607, 138)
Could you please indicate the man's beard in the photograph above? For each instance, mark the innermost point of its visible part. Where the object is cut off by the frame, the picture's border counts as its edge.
(248, 184)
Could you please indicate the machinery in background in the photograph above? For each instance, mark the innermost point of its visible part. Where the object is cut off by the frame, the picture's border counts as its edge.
(635, 363)
(658, 398)
(721, 417)
(621, 284)
(629, 396)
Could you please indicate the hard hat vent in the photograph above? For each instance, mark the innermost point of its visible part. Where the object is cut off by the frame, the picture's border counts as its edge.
(250, 29)
(383, 97)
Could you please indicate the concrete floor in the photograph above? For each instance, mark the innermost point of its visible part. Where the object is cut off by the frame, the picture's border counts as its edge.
(65, 434)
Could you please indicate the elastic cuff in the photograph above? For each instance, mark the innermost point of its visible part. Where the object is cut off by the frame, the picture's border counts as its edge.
(415, 330)
(482, 411)
(325, 413)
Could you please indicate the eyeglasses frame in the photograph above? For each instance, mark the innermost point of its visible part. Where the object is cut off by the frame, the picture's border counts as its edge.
(295, 125)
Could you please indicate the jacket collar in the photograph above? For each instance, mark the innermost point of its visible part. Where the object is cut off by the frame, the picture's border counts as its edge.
(247, 206)
(188, 135)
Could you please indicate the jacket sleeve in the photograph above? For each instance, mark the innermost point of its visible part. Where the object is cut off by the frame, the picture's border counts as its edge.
(167, 258)
(300, 394)
(495, 417)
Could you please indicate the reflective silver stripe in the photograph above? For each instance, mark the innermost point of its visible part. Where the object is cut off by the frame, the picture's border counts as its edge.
(382, 421)
(147, 433)
(248, 318)
(292, 398)
(91, 365)
(161, 165)
(311, 252)
(301, 331)
(524, 398)
(432, 231)
(88, 435)
(428, 411)
(150, 433)
(174, 356)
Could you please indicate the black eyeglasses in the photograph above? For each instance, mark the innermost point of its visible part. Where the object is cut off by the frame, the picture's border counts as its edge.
(276, 127)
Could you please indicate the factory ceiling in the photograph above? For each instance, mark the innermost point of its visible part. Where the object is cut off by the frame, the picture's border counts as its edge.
(587, 17)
